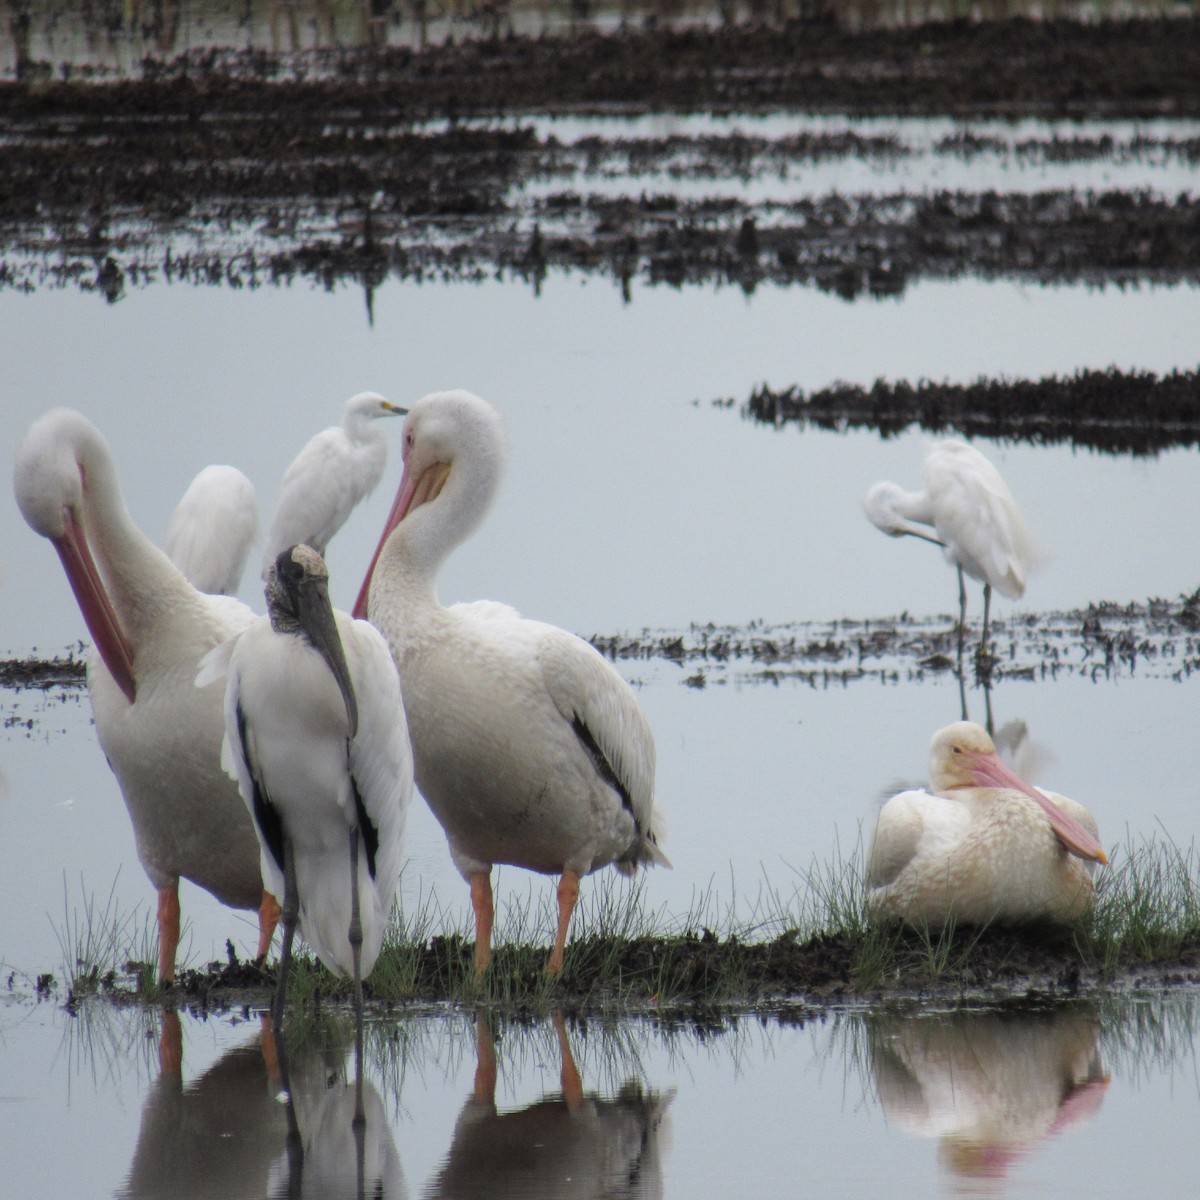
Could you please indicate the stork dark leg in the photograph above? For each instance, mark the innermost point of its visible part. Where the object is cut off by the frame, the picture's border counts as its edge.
(290, 912)
(359, 1123)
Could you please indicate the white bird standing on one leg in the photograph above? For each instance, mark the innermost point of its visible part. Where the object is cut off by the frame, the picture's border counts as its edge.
(529, 747)
(316, 737)
(150, 628)
(337, 469)
(974, 519)
(212, 529)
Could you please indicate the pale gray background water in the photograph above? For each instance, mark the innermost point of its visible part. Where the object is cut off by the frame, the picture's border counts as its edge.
(631, 503)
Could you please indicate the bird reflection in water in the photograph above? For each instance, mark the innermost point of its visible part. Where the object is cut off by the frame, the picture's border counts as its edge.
(216, 1136)
(227, 1134)
(570, 1144)
(991, 1087)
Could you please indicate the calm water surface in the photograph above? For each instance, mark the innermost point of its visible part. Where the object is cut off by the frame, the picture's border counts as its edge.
(632, 502)
(1084, 1100)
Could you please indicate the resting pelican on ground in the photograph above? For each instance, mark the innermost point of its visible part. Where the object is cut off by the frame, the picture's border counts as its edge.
(529, 747)
(985, 846)
(150, 628)
(315, 736)
(337, 469)
(212, 529)
(974, 519)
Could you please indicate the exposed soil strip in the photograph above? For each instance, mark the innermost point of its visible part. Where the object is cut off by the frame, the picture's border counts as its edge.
(242, 170)
(1144, 67)
(1114, 411)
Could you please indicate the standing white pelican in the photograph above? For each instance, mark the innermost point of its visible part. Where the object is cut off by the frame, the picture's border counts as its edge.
(150, 627)
(985, 846)
(974, 519)
(315, 736)
(529, 747)
(337, 469)
(212, 529)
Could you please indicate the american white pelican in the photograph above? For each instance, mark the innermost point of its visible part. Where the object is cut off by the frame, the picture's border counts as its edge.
(337, 469)
(150, 628)
(530, 748)
(572, 1143)
(984, 846)
(973, 517)
(315, 736)
(990, 1087)
(212, 529)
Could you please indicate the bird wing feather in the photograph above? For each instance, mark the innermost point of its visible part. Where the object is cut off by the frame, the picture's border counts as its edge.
(977, 518)
(589, 690)
(381, 762)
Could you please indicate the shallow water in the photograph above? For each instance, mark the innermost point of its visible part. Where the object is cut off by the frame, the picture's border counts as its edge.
(633, 502)
(1082, 1100)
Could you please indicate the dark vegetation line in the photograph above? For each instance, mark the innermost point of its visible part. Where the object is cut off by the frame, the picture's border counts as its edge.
(1140, 67)
(1112, 411)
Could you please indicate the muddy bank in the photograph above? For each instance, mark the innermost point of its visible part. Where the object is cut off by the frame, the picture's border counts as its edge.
(696, 971)
(1102, 642)
(1116, 412)
(1147, 67)
(245, 170)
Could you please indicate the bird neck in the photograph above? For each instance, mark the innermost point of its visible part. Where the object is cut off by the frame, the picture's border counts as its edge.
(428, 535)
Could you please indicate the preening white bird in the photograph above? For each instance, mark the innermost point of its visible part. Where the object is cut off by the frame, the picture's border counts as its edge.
(984, 846)
(212, 530)
(316, 737)
(529, 747)
(973, 517)
(337, 469)
(150, 628)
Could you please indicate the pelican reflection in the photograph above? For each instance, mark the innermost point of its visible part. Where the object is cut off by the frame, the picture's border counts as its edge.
(990, 1087)
(568, 1144)
(214, 1136)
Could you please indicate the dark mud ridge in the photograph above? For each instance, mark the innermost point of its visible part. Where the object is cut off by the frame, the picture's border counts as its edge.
(1103, 642)
(241, 170)
(1143, 67)
(701, 970)
(1114, 411)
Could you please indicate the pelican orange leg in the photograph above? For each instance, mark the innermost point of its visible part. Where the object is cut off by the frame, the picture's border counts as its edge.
(481, 902)
(568, 894)
(168, 932)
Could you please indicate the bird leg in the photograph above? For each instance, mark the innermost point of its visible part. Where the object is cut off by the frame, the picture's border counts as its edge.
(356, 940)
(484, 1091)
(983, 662)
(290, 912)
(268, 918)
(568, 893)
(359, 1123)
(168, 931)
(572, 1082)
(170, 1045)
(481, 902)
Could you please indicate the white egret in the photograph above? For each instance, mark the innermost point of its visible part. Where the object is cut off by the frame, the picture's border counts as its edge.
(968, 510)
(984, 846)
(529, 747)
(150, 628)
(337, 469)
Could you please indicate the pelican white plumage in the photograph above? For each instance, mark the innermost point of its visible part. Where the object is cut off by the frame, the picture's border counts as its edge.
(212, 529)
(973, 516)
(529, 747)
(316, 738)
(337, 469)
(984, 846)
(150, 628)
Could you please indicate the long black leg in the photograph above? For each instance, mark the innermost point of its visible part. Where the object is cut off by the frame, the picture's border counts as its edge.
(288, 915)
